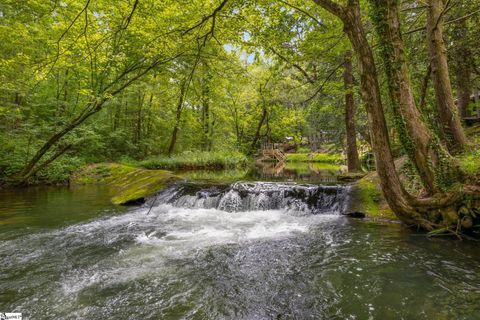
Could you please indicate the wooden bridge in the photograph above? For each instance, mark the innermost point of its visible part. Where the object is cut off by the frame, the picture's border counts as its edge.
(272, 151)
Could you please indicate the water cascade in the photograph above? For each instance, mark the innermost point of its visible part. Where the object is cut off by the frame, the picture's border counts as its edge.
(255, 196)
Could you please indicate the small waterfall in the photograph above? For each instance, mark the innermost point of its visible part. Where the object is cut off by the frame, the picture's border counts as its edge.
(259, 196)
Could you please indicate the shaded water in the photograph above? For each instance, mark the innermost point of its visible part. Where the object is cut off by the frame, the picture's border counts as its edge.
(194, 259)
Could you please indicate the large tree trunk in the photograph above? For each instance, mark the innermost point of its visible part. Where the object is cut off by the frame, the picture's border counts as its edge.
(449, 119)
(393, 190)
(438, 211)
(398, 199)
(353, 162)
(417, 140)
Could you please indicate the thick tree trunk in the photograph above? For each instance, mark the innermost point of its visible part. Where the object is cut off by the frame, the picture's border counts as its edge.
(392, 188)
(417, 139)
(449, 119)
(438, 211)
(398, 199)
(353, 162)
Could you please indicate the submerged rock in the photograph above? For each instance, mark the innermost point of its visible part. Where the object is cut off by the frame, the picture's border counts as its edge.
(354, 214)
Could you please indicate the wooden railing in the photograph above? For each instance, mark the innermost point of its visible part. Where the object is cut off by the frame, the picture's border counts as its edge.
(272, 151)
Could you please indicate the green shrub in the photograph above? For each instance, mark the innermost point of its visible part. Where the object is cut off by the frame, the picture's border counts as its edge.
(196, 160)
(303, 150)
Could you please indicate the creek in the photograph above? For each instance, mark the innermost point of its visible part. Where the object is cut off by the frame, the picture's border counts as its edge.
(242, 250)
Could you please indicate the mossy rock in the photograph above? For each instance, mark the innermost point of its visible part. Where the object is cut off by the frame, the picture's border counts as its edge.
(131, 185)
(367, 197)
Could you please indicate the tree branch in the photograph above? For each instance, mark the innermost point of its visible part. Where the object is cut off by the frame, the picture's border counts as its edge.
(295, 65)
(318, 22)
(331, 7)
(205, 19)
(330, 75)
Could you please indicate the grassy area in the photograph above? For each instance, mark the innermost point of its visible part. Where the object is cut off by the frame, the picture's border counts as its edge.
(470, 159)
(215, 176)
(314, 157)
(130, 184)
(195, 160)
(313, 166)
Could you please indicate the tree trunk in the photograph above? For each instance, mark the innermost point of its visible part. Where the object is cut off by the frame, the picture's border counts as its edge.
(178, 116)
(395, 194)
(417, 140)
(353, 162)
(462, 66)
(448, 117)
(28, 170)
(259, 128)
(137, 137)
(438, 211)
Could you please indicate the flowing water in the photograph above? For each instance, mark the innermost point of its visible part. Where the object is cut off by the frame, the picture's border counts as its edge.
(241, 251)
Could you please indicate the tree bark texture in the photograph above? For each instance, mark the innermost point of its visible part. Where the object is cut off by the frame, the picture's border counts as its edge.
(353, 162)
(448, 117)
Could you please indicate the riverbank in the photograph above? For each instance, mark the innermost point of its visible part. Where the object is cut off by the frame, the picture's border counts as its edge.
(314, 157)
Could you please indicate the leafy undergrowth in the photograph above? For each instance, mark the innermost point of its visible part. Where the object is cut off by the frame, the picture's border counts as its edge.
(470, 162)
(195, 160)
(314, 157)
(131, 184)
(470, 159)
(371, 199)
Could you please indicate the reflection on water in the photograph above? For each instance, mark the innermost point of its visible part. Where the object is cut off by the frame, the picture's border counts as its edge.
(319, 173)
(313, 172)
(49, 206)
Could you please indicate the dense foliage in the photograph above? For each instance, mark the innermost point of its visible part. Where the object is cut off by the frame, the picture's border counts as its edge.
(84, 81)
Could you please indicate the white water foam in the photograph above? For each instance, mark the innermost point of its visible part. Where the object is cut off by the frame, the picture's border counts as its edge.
(174, 233)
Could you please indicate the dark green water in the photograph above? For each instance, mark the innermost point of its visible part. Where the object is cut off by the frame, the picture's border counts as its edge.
(69, 254)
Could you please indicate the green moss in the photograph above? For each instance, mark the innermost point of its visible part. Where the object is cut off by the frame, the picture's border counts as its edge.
(313, 157)
(470, 162)
(470, 159)
(371, 199)
(130, 184)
